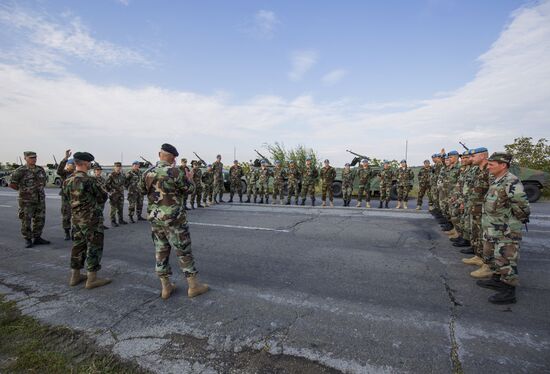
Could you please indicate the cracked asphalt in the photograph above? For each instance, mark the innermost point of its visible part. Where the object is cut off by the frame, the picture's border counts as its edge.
(294, 289)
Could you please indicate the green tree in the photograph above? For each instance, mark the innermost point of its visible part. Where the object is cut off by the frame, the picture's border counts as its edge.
(529, 154)
(297, 154)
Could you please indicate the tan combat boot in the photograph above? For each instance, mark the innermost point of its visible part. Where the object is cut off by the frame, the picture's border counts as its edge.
(398, 205)
(167, 287)
(282, 202)
(483, 272)
(94, 282)
(405, 206)
(76, 278)
(195, 287)
(324, 204)
(367, 205)
(358, 205)
(418, 207)
(273, 202)
(476, 260)
(451, 232)
(332, 204)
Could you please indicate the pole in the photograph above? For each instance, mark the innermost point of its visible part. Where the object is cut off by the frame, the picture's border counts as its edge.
(234, 153)
(406, 149)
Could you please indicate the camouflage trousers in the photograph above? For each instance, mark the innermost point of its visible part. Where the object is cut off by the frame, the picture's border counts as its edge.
(65, 213)
(207, 193)
(476, 236)
(33, 218)
(87, 245)
(278, 190)
(326, 188)
(465, 223)
(174, 236)
(135, 204)
(218, 187)
(456, 214)
(385, 191)
(308, 188)
(292, 191)
(117, 206)
(185, 197)
(251, 189)
(347, 191)
(502, 255)
(363, 188)
(196, 195)
(443, 203)
(403, 192)
(263, 190)
(236, 187)
(434, 195)
(424, 189)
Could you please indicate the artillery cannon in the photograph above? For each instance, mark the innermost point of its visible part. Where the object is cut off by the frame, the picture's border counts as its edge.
(357, 159)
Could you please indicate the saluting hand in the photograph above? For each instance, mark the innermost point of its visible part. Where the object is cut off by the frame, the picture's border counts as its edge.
(68, 153)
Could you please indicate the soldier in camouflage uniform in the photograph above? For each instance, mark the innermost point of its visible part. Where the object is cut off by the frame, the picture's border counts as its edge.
(279, 177)
(101, 183)
(65, 169)
(293, 174)
(405, 179)
(235, 175)
(450, 181)
(309, 180)
(187, 171)
(87, 198)
(424, 179)
(434, 203)
(164, 186)
(208, 183)
(365, 175)
(263, 180)
(30, 180)
(348, 176)
(459, 200)
(328, 175)
(441, 192)
(197, 181)
(252, 176)
(135, 198)
(505, 210)
(219, 188)
(386, 179)
(115, 187)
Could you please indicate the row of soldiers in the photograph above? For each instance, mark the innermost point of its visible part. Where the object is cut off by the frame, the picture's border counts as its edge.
(482, 206)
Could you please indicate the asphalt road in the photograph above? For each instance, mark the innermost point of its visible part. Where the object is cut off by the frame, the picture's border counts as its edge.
(294, 289)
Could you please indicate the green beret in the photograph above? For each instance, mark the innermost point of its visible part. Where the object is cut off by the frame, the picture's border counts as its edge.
(29, 154)
(83, 156)
(501, 157)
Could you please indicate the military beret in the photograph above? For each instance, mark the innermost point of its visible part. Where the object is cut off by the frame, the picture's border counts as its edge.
(426, 161)
(170, 149)
(291, 162)
(29, 154)
(465, 153)
(70, 161)
(263, 162)
(308, 158)
(97, 167)
(209, 165)
(327, 161)
(385, 162)
(277, 162)
(479, 150)
(501, 157)
(218, 156)
(136, 162)
(403, 161)
(436, 155)
(347, 164)
(443, 155)
(452, 153)
(235, 161)
(84, 156)
(364, 160)
(118, 163)
(183, 160)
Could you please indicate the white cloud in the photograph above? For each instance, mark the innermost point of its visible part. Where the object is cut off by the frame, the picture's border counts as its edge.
(265, 23)
(334, 76)
(123, 2)
(302, 62)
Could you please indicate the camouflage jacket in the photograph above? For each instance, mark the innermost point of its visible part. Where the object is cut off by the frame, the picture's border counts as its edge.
(365, 175)
(405, 177)
(217, 168)
(30, 182)
(115, 183)
(252, 175)
(264, 175)
(468, 183)
(101, 182)
(293, 175)
(310, 175)
(386, 177)
(435, 174)
(482, 180)
(348, 176)
(164, 186)
(132, 182)
(424, 176)
(279, 175)
(505, 208)
(451, 177)
(208, 177)
(63, 174)
(86, 196)
(197, 176)
(442, 176)
(235, 172)
(328, 174)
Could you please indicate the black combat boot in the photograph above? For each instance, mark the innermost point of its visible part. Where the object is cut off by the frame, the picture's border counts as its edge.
(113, 223)
(288, 202)
(215, 199)
(106, 228)
(312, 201)
(28, 243)
(507, 295)
(67, 234)
(493, 284)
(192, 205)
(132, 219)
(247, 200)
(255, 199)
(467, 251)
(386, 205)
(221, 198)
(380, 206)
(230, 198)
(462, 243)
(122, 222)
(40, 241)
(199, 205)
(261, 200)
(241, 199)
(296, 201)
(140, 217)
(303, 202)
(267, 199)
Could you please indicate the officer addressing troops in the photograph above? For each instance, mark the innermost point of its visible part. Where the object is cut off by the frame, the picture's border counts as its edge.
(29, 180)
(219, 188)
(65, 169)
(424, 180)
(365, 175)
(135, 198)
(235, 175)
(405, 178)
(279, 176)
(115, 187)
(348, 177)
(87, 198)
(328, 175)
(293, 175)
(386, 178)
(309, 180)
(164, 186)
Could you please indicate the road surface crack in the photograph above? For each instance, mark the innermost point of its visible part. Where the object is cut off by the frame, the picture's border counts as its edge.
(309, 219)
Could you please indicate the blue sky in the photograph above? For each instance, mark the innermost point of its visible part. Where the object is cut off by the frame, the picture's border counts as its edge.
(297, 72)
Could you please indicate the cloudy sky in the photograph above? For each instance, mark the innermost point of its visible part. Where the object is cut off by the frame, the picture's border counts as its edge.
(119, 78)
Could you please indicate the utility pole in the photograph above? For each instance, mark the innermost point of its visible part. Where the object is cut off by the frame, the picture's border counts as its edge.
(406, 149)
(234, 152)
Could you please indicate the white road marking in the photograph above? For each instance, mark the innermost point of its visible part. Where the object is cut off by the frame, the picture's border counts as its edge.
(5, 206)
(238, 227)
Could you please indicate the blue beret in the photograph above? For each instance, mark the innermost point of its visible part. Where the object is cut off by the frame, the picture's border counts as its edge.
(308, 158)
(277, 162)
(236, 161)
(365, 160)
(327, 161)
(263, 162)
(452, 153)
(170, 149)
(136, 162)
(404, 161)
(480, 150)
(466, 153)
(347, 164)
(386, 162)
(209, 165)
(70, 161)
(436, 155)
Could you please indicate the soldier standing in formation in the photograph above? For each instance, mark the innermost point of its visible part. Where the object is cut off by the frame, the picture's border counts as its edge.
(424, 180)
(309, 180)
(405, 178)
(65, 169)
(328, 175)
(263, 179)
(235, 175)
(294, 176)
(219, 188)
(348, 177)
(186, 171)
(164, 186)
(252, 176)
(29, 180)
(386, 178)
(101, 182)
(279, 176)
(115, 187)
(197, 180)
(135, 198)
(436, 158)
(87, 199)
(365, 175)
(208, 183)
(460, 202)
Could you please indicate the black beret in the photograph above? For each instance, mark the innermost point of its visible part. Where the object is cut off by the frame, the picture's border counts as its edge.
(83, 156)
(170, 149)
(118, 163)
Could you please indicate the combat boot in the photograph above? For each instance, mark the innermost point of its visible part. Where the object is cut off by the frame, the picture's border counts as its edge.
(506, 296)
(230, 198)
(323, 204)
(288, 202)
(76, 277)
(241, 199)
(483, 272)
(93, 281)
(381, 204)
(476, 260)
(195, 287)
(193, 206)
(199, 205)
(28, 243)
(105, 227)
(296, 201)
(40, 241)
(67, 234)
(387, 204)
(261, 200)
(405, 205)
(312, 201)
(132, 219)
(221, 198)
(303, 202)
(332, 204)
(398, 204)
(274, 201)
(140, 218)
(467, 251)
(282, 202)
(122, 222)
(367, 204)
(167, 287)
(493, 284)
(255, 199)
(462, 243)
(358, 204)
